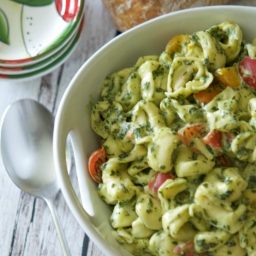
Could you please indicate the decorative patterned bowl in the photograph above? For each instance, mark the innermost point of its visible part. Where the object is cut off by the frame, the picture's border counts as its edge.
(73, 116)
(45, 66)
(31, 31)
(37, 36)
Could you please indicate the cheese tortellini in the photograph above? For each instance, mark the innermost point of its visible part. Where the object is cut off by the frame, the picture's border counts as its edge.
(179, 133)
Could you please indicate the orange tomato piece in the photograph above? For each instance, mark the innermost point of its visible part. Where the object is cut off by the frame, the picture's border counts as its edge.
(175, 43)
(207, 95)
(96, 159)
(186, 134)
(228, 77)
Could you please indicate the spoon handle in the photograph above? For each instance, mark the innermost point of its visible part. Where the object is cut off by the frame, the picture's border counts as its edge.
(60, 233)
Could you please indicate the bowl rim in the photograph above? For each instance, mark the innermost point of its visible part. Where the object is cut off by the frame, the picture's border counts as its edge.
(73, 203)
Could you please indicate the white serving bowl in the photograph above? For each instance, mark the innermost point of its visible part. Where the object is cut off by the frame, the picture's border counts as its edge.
(73, 116)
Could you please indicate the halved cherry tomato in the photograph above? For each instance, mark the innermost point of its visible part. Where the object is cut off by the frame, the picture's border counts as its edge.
(186, 134)
(213, 139)
(208, 94)
(158, 180)
(247, 70)
(96, 159)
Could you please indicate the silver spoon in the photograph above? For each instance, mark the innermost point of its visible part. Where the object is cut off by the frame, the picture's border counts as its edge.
(26, 147)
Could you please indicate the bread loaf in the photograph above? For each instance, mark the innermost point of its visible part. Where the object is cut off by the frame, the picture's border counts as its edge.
(128, 13)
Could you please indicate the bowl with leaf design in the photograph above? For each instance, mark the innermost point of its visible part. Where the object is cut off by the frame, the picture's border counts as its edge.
(34, 30)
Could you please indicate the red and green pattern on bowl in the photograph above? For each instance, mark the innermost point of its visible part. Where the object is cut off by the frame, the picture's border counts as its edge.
(67, 9)
(71, 11)
(35, 66)
(39, 65)
(51, 65)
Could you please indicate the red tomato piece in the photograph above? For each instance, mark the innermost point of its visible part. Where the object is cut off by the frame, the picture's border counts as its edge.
(247, 70)
(96, 159)
(158, 180)
(213, 139)
(186, 134)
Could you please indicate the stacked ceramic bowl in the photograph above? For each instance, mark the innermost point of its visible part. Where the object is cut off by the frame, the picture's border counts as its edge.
(37, 36)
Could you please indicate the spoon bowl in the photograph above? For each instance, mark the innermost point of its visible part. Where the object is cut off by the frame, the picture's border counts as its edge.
(27, 154)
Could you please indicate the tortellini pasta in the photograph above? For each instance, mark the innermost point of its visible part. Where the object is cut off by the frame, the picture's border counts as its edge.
(161, 149)
(229, 36)
(247, 236)
(189, 164)
(149, 211)
(176, 223)
(187, 75)
(211, 50)
(123, 215)
(168, 191)
(211, 240)
(179, 134)
(161, 243)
